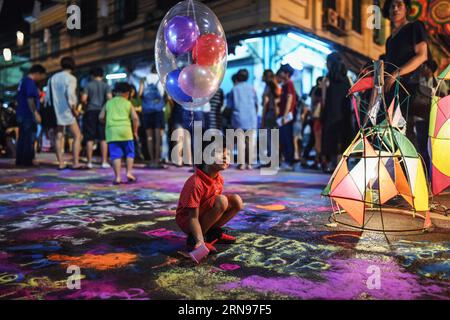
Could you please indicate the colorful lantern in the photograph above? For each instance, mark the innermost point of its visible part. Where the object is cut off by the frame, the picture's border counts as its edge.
(439, 133)
(380, 164)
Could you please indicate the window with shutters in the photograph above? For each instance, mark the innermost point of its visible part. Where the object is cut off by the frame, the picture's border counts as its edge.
(126, 11)
(356, 11)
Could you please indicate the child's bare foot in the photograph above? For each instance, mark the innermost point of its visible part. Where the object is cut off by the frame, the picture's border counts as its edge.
(117, 182)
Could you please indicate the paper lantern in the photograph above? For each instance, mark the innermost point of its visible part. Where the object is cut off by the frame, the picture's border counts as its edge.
(439, 133)
(380, 164)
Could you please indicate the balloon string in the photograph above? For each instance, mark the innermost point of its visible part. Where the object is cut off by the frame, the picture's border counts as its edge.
(190, 59)
(191, 4)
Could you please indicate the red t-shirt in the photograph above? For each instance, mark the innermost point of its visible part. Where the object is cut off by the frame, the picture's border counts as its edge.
(288, 88)
(199, 189)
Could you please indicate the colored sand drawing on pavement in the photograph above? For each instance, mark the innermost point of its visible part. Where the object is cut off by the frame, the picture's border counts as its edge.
(99, 262)
(127, 245)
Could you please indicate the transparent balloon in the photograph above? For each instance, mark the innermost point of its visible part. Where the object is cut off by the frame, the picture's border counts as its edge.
(191, 54)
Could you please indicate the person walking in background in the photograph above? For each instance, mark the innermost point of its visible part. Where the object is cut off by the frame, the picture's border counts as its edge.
(316, 125)
(152, 93)
(9, 131)
(136, 101)
(301, 121)
(94, 97)
(227, 112)
(215, 113)
(39, 131)
(68, 136)
(336, 115)
(27, 114)
(243, 104)
(288, 103)
(122, 125)
(180, 135)
(271, 99)
(190, 117)
(62, 95)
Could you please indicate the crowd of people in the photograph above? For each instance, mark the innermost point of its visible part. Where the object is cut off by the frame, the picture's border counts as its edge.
(64, 119)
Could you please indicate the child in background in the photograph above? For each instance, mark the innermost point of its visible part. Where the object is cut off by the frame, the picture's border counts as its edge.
(122, 125)
(203, 210)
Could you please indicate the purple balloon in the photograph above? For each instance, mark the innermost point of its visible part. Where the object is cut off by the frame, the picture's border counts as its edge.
(181, 33)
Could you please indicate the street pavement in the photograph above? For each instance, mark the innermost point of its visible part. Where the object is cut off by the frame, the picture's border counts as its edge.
(125, 244)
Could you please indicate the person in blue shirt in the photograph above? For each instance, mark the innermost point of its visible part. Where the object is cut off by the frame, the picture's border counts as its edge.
(27, 114)
(243, 103)
(153, 102)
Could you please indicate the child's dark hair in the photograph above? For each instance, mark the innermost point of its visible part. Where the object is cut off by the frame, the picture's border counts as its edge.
(122, 87)
(205, 144)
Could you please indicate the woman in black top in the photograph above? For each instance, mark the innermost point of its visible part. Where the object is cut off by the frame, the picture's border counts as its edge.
(407, 46)
(407, 49)
(337, 131)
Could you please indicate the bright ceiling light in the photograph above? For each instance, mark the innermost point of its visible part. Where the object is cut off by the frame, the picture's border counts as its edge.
(293, 61)
(252, 40)
(7, 54)
(116, 76)
(312, 43)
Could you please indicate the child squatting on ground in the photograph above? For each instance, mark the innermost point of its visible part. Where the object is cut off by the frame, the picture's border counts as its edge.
(122, 125)
(203, 210)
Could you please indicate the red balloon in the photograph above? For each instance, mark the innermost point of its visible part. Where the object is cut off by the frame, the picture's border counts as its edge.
(209, 49)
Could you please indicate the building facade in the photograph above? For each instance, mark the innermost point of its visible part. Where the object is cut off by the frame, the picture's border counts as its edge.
(120, 34)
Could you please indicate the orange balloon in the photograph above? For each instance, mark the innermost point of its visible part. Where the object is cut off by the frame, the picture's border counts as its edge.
(209, 50)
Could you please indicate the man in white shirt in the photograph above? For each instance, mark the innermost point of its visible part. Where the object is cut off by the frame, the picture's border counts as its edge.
(62, 95)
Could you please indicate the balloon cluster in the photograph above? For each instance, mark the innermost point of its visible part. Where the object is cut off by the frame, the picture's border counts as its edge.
(191, 53)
